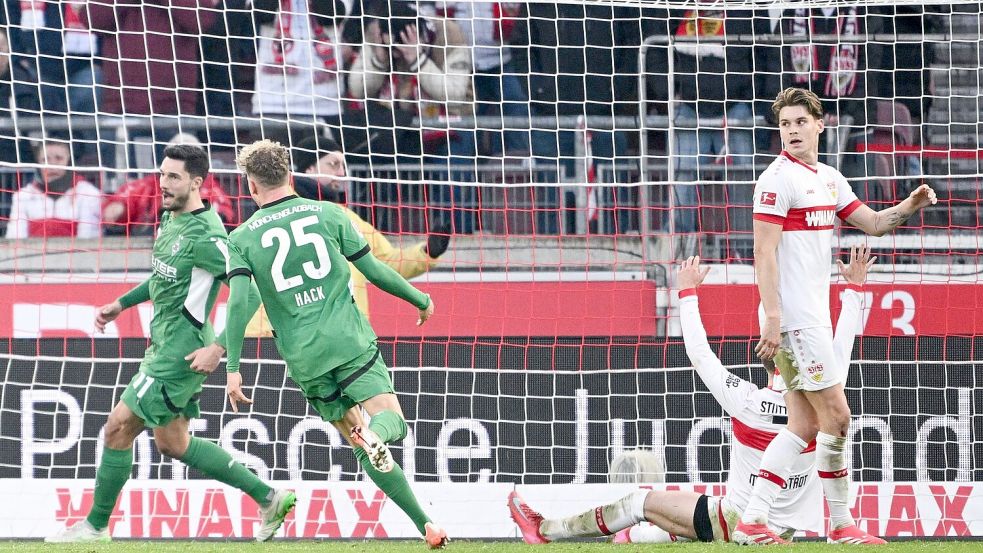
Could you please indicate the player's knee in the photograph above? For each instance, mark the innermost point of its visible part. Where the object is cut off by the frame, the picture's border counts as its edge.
(116, 433)
(654, 500)
(402, 429)
(174, 449)
(837, 419)
(806, 429)
(840, 423)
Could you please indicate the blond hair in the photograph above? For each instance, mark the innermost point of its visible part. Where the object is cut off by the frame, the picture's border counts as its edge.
(792, 96)
(265, 162)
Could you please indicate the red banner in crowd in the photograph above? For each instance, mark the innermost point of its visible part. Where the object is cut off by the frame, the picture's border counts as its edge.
(579, 308)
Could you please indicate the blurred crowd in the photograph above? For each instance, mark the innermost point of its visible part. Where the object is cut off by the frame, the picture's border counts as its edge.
(364, 74)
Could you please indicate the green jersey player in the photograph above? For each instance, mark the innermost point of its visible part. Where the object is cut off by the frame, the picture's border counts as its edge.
(188, 264)
(298, 250)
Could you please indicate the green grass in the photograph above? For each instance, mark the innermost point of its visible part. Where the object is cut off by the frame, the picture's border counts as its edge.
(400, 546)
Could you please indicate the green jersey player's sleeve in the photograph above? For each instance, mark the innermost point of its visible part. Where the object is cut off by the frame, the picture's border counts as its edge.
(244, 300)
(236, 264)
(243, 303)
(139, 294)
(389, 280)
(212, 254)
(353, 244)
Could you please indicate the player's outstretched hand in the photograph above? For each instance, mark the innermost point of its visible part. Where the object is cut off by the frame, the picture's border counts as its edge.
(860, 262)
(107, 314)
(923, 196)
(205, 359)
(691, 273)
(425, 313)
(233, 387)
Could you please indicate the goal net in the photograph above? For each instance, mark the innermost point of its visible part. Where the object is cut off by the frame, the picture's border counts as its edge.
(568, 154)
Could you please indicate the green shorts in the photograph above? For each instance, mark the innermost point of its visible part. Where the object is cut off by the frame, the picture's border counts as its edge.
(338, 390)
(158, 402)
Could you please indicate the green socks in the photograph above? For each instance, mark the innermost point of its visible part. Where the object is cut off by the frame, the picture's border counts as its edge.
(214, 462)
(395, 486)
(114, 471)
(388, 425)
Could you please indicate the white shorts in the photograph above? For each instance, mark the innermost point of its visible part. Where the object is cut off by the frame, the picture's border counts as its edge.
(806, 360)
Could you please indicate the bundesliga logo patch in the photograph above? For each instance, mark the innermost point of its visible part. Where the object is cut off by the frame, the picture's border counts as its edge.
(769, 198)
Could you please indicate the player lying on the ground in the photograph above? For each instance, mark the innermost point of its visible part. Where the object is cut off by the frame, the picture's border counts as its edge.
(298, 250)
(757, 416)
(189, 259)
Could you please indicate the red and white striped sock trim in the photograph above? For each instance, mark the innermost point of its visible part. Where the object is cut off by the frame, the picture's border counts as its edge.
(772, 477)
(599, 518)
(842, 473)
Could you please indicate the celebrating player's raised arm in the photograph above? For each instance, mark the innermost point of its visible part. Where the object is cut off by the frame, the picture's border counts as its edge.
(728, 389)
(850, 322)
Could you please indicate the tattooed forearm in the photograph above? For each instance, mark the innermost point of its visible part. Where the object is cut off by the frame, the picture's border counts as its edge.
(894, 220)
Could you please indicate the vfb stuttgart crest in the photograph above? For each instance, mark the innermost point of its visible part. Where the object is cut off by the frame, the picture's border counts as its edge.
(815, 372)
(831, 186)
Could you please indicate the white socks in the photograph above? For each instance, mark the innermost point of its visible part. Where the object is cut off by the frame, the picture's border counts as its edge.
(775, 466)
(602, 521)
(835, 478)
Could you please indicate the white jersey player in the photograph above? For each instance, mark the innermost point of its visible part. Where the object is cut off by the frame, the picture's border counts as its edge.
(757, 415)
(796, 202)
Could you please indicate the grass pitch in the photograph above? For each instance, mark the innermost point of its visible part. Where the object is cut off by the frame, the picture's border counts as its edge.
(401, 546)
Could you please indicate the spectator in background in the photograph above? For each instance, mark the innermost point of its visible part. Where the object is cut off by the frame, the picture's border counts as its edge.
(582, 61)
(18, 96)
(135, 208)
(421, 63)
(324, 178)
(298, 60)
(834, 69)
(905, 70)
(498, 90)
(714, 79)
(228, 61)
(150, 58)
(905, 83)
(58, 202)
(52, 35)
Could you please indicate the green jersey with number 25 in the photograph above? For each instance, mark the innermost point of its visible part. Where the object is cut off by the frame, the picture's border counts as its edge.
(297, 251)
